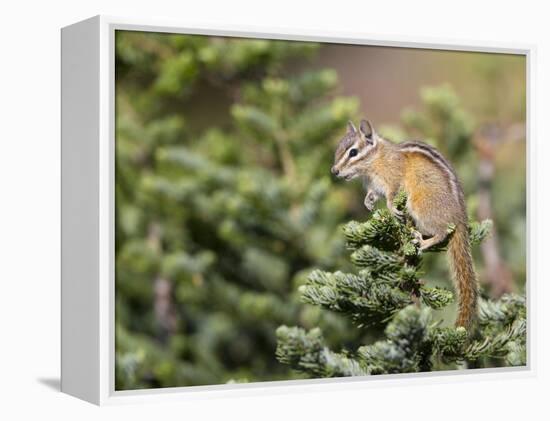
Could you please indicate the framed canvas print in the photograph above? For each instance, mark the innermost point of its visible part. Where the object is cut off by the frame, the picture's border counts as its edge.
(243, 211)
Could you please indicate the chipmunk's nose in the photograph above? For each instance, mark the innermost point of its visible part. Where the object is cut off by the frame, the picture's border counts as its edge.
(334, 170)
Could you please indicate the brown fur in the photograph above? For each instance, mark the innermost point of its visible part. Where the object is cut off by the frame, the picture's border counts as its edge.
(460, 257)
(435, 198)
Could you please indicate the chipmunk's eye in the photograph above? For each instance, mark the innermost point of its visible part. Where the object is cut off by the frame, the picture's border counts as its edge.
(352, 152)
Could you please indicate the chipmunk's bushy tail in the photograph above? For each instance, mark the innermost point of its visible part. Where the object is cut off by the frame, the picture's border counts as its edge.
(462, 267)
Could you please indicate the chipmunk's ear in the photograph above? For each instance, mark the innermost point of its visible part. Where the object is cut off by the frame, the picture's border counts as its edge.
(351, 127)
(368, 132)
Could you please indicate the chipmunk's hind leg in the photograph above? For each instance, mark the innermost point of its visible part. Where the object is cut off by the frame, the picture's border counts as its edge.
(429, 231)
(431, 218)
(429, 242)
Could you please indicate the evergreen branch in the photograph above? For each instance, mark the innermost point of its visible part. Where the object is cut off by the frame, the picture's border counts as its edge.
(306, 352)
(382, 231)
(436, 297)
(498, 345)
(448, 343)
(517, 354)
(357, 296)
(406, 346)
(400, 201)
(502, 312)
(479, 231)
(377, 261)
(383, 290)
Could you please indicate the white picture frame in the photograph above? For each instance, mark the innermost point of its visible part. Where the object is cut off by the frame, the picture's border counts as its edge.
(88, 214)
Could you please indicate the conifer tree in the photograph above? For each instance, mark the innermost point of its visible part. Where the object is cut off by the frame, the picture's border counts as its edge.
(387, 290)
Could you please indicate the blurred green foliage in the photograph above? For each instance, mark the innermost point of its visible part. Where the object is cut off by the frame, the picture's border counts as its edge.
(224, 202)
(215, 225)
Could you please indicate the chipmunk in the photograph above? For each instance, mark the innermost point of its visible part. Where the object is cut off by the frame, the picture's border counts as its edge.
(435, 197)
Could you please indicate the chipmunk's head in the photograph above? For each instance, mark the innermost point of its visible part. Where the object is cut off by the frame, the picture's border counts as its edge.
(355, 150)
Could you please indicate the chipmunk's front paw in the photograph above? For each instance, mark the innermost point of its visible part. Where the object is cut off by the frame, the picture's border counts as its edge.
(369, 201)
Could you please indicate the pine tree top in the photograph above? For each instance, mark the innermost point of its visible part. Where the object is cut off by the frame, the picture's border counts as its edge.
(387, 290)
